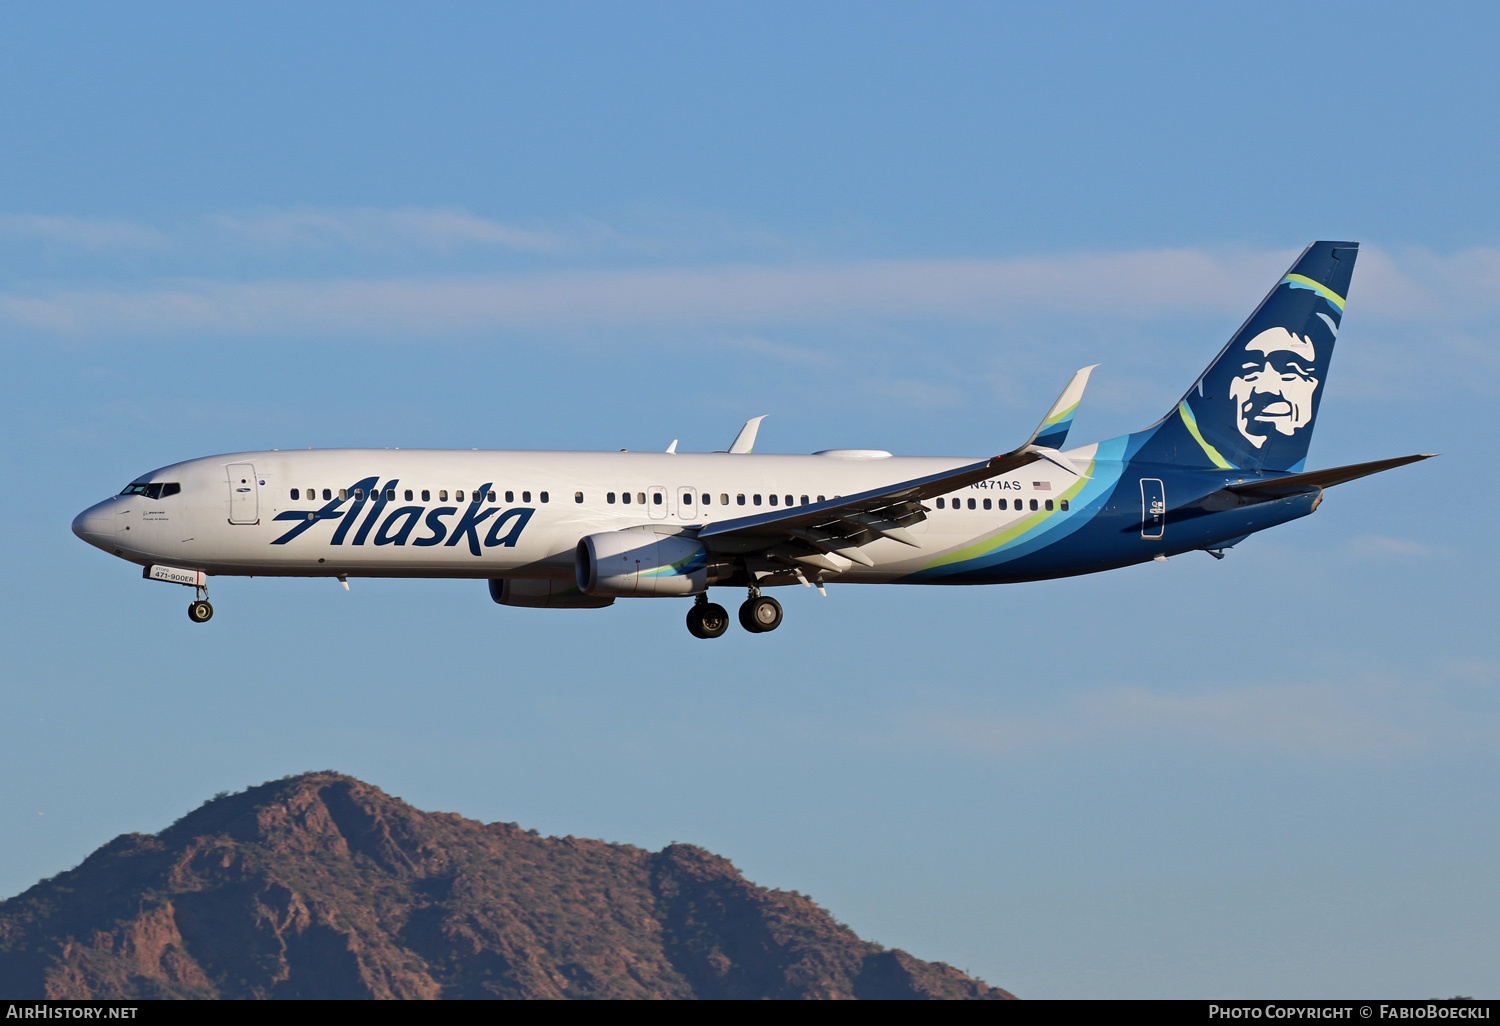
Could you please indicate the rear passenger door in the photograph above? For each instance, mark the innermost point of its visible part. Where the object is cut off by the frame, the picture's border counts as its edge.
(1153, 508)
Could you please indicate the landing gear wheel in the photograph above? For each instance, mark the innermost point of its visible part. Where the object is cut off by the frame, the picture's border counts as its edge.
(200, 611)
(707, 620)
(760, 614)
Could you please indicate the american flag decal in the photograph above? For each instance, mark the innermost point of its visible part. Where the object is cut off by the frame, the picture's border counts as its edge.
(1042, 486)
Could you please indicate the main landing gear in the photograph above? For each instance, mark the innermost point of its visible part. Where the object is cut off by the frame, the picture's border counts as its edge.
(707, 619)
(759, 614)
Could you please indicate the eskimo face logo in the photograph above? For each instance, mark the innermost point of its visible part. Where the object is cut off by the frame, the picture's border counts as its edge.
(1274, 391)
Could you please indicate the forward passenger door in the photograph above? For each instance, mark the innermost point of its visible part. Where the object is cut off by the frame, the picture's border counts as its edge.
(244, 494)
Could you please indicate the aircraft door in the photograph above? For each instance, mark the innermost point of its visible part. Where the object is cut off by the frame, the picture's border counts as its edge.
(1153, 508)
(244, 494)
(687, 507)
(656, 502)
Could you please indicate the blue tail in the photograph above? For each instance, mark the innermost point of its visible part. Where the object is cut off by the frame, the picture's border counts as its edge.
(1255, 406)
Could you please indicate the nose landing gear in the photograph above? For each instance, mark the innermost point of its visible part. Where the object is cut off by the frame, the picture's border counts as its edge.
(199, 610)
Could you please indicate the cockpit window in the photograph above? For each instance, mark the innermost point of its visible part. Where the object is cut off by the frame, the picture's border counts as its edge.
(155, 490)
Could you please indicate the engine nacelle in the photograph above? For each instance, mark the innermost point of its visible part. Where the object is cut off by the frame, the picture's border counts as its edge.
(544, 593)
(639, 564)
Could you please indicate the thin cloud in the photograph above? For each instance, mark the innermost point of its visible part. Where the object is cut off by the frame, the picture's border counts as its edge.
(1141, 286)
(1130, 284)
(83, 232)
(780, 351)
(1374, 546)
(1320, 720)
(381, 231)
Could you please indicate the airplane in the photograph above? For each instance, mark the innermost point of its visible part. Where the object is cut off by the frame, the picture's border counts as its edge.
(578, 530)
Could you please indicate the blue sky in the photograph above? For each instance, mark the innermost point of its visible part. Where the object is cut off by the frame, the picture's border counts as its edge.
(885, 226)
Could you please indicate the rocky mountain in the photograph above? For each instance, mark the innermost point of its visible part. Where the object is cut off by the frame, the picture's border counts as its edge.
(321, 886)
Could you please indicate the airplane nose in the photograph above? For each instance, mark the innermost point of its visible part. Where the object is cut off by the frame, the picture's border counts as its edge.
(96, 525)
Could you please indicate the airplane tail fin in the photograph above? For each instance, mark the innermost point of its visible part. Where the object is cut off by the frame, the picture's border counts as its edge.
(1255, 406)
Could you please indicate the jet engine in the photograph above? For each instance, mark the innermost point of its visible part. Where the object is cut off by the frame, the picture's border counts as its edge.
(543, 593)
(636, 564)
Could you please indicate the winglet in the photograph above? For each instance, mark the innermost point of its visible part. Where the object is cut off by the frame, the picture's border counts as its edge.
(745, 440)
(1052, 432)
(673, 447)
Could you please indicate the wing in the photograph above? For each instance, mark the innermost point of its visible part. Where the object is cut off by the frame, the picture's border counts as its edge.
(829, 535)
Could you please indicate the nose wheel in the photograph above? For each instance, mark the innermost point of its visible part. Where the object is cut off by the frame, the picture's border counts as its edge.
(199, 610)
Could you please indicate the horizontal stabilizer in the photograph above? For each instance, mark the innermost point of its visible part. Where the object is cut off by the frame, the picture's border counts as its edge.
(1295, 484)
(1052, 432)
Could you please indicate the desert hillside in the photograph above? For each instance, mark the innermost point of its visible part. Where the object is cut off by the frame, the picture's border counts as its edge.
(322, 886)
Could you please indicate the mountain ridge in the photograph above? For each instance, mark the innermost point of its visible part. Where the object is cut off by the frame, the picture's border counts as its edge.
(322, 886)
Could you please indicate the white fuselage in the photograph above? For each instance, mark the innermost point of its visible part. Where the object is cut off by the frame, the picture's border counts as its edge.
(415, 514)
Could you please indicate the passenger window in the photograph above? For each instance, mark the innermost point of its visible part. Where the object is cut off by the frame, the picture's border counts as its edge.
(740, 498)
(788, 500)
(343, 494)
(820, 498)
(443, 495)
(577, 496)
(542, 496)
(359, 494)
(773, 499)
(706, 498)
(525, 496)
(295, 493)
(940, 504)
(1049, 504)
(1033, 504)
(986, 503)
(656, 498)
(510, 496)
(458, 496)
(971, 503)
(687, 498)
(640, 497)
(625, 498)
(492, 495)
(724, 499)
(390, 495)
(610, 498)
(426, 495)
(1064, 504)
(756, 499)
(1003, 504)
(804, 501)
